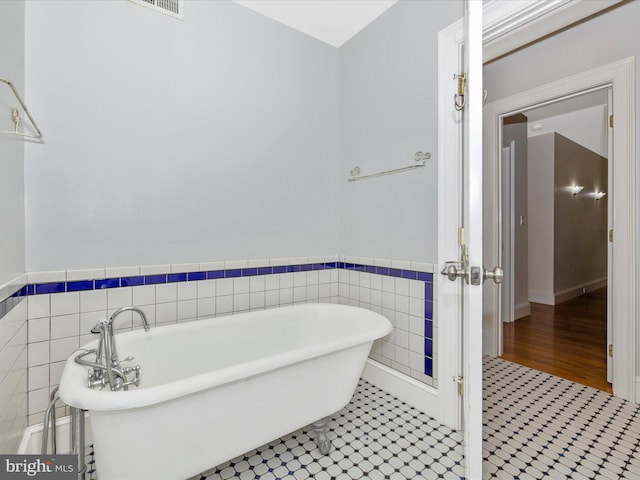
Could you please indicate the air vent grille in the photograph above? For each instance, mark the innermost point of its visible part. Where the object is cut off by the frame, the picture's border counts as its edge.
(169, 7)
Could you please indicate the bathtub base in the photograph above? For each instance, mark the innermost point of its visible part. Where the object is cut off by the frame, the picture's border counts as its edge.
(320, 429)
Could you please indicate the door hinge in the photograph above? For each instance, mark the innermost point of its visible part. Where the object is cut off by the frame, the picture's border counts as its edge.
(611, 349)
(460, 236)
(611, 235)
(459, 100)
(611, 121)
(460, 381)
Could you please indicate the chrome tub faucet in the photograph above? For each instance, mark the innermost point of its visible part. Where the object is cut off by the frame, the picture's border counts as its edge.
(107, 368)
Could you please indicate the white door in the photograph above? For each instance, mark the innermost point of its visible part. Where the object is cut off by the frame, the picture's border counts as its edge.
(460, 240)
(610, 194)
(472, 240)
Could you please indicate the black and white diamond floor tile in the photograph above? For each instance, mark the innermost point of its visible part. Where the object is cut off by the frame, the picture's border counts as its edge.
(537, 426)
(376, 436)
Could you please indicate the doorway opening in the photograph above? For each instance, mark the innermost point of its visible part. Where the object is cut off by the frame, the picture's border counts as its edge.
(621, 253)
(555, 222)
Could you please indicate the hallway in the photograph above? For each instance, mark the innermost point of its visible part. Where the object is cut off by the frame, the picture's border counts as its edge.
(567, 340)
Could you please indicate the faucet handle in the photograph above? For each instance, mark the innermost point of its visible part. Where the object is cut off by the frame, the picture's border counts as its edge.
(127, 359)
(100, 326)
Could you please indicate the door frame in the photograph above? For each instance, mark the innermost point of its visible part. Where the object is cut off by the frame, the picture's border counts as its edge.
(621, 76)
(507, 25)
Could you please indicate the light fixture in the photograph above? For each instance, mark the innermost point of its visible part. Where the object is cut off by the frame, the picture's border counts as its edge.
(599, 195)
(576, 189)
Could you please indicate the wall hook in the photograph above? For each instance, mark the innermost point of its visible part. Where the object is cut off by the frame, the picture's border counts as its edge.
(15, 115)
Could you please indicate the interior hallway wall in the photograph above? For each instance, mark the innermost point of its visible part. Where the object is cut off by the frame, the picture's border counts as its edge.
(603, 39)
(580, 221)
(515, 129)
(540, 193)
(388, 112)
(168, 141)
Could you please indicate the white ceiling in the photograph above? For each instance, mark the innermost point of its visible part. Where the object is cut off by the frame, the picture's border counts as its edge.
(582, 119)
(331, 21)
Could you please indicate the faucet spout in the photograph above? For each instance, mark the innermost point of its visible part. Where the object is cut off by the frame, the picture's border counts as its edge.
(139, 311)
(115, 360)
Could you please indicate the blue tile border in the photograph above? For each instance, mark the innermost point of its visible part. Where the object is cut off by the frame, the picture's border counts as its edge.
(96, 284)
(12, 301)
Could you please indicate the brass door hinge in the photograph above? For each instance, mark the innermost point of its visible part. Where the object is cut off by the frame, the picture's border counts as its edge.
(611, 121)
(460, 381)
(611, 235)
(611, 349)
(459, 100)
(460, 236)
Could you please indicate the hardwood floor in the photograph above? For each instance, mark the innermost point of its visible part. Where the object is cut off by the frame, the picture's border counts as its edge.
(567, 340)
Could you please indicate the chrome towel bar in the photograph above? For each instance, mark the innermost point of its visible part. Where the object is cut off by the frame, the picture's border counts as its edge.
(420, 159)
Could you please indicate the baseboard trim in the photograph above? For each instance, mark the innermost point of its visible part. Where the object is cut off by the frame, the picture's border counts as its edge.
(567, 294)
(521, 310)
(410, 391)
(544, 298)
(576, 291)
(31, 442)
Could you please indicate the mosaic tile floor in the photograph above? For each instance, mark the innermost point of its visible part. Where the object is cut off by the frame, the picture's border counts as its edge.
(539, 426)
(375, 437)
(536, 426)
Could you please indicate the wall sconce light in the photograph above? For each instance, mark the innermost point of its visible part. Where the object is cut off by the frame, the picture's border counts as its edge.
(576, 189)
(599, 195)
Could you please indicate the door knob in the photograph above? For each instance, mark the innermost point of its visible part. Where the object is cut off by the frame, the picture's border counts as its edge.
(451, 271)
(497, 275)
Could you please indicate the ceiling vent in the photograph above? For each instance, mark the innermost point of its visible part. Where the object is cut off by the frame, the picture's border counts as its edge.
(173, 8)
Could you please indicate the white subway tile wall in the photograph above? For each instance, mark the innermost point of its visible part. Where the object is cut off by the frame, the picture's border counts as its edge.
(58, 323)
(402, 302)
(14, 367)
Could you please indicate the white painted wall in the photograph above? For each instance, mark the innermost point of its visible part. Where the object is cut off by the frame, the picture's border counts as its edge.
(173, 141)
(13, 323)
(567, 233)
(12, 68)
(540, 190)
(587, 127)
(606, 38)
(580, 221)
(388, 98)
(518, 133)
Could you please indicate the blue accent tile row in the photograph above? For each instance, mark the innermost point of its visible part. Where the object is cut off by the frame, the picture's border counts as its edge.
(156, 279)
(176, 277)
(132, 281)
(11, 302)
(107, 283)
(428, 366)
(82, 285)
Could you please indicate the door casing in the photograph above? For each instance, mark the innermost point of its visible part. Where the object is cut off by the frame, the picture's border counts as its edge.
(621, 76)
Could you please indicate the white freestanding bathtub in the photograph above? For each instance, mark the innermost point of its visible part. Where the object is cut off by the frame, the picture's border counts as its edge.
(213, 389)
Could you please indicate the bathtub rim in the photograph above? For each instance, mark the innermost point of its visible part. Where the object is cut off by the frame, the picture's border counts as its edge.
(75, 392)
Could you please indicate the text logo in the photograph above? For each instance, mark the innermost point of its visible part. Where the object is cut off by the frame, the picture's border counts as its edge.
(49, 467)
